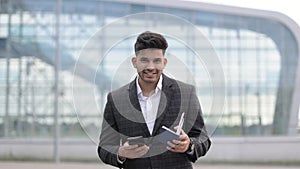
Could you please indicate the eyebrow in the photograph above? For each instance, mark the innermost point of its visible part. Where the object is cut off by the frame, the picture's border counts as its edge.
(143, 58)
(146, 59)
(157, 59)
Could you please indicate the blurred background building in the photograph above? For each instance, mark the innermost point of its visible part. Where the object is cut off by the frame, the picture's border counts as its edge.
(258, 51)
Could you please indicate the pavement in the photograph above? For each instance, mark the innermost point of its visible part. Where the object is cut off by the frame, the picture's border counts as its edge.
(73, 165)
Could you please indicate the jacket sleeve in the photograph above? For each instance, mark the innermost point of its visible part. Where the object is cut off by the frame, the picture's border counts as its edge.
(196, 127)
(109, 137)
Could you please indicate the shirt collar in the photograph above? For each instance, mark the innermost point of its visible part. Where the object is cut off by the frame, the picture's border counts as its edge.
(158, 86)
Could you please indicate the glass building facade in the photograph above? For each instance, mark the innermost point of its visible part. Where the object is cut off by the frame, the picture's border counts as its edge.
(259, 57)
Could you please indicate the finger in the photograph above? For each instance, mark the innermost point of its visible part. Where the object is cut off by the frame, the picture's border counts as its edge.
(172, 149)
(126, 144)
(130, 147)
(183, 137)
(145, 150)
(181, 131)
(142, 148)
(176, 127)
(170, 144)
(141, 151)
(177, 149)
(176, 142)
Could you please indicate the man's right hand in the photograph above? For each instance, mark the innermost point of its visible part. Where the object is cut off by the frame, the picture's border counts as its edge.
(132, 151)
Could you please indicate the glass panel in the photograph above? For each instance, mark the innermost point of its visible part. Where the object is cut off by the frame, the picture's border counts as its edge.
(253, 60)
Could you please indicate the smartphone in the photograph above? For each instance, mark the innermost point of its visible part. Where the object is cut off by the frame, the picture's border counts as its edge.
(136, 140)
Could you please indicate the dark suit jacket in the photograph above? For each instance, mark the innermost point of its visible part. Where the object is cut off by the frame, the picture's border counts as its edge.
(123, 118)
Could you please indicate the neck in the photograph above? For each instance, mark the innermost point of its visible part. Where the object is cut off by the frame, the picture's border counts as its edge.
(147, 88)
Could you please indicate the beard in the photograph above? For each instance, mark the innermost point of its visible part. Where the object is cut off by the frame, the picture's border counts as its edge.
(150, 76)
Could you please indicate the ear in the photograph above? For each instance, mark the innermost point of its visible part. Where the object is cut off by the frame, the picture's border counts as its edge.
(165, 61)
(133, 61)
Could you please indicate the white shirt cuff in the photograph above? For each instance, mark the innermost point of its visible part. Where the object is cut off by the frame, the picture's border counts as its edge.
(119, 160)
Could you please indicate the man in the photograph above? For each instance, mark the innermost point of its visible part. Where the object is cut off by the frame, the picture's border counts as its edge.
(143, 106)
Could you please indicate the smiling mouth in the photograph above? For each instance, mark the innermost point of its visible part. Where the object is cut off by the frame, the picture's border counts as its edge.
(150, 73)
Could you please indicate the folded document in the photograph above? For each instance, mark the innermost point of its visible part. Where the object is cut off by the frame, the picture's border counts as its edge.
(167, 134)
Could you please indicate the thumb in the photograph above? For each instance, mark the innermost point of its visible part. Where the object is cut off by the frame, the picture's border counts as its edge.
(176, 127)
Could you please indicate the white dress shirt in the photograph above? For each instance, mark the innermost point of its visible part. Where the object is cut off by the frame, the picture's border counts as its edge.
(149, 105)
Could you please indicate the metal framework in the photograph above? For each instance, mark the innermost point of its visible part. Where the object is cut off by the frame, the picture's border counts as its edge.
(258, 87)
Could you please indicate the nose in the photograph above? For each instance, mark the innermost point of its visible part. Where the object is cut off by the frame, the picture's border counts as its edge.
(150, 66)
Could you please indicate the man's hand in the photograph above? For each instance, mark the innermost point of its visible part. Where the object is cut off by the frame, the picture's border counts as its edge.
(132, 151)
(181, 145)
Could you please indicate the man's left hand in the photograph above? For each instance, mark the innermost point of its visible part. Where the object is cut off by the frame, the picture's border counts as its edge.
(181, 145)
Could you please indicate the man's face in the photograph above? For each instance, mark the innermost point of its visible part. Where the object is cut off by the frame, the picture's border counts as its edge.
(149, 64)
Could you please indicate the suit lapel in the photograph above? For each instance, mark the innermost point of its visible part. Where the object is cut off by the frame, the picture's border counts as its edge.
(137, 113)
(166, 97)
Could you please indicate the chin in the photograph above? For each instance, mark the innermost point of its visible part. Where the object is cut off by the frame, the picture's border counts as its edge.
(150, 80)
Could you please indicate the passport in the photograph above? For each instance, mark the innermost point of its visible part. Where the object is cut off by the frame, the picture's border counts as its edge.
(166, 135)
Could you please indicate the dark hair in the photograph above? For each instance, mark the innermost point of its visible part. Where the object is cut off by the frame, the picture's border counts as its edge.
(150, 40)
